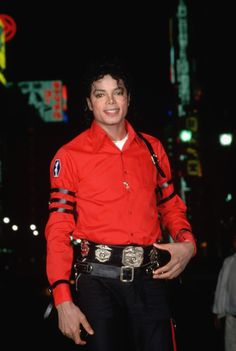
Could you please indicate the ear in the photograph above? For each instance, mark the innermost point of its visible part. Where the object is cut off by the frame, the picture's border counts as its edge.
(128, 99)
(89, 104)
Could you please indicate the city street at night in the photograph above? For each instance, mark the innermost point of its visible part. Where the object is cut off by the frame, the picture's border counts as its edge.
(180, 55)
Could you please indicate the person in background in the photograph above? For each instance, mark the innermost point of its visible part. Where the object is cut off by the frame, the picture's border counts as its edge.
(224, 305)
(110, 199)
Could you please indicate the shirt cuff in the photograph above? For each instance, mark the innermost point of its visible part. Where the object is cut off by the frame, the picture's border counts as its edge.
(61, 293)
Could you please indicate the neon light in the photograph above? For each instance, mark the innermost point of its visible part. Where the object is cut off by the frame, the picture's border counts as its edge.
(172, 53)
(46, 97)
(183, 77)
(2, 53)
(9, 26)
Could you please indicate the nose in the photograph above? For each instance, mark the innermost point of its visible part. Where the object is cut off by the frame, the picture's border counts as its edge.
(111, 100)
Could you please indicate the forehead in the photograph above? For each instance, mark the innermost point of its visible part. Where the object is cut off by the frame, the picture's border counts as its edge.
(108, 82)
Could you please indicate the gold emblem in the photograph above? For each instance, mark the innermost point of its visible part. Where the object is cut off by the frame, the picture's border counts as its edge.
(103, 253)
(132, 256)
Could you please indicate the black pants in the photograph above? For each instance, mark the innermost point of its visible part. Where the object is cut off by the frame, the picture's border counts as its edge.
(126, 316)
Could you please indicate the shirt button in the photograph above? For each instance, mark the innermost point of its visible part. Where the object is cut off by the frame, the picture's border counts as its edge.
(130, 212)
(126, 185)
(132, 234)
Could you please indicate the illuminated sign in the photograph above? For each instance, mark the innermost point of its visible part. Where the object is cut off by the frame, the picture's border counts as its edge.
(48, 97)
(2, 53)
(193, 166)
(183, 77)
(7, 32)
(9, 26)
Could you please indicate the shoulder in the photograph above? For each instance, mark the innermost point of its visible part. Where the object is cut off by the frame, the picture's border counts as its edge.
(77, 141)
(74, 145)
(155, 142)
(228, 260)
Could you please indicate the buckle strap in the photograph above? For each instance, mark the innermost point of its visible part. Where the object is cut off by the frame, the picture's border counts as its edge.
(124, 273)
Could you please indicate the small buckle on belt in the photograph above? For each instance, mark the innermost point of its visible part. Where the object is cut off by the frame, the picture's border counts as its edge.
(126, 274)
(83, 267)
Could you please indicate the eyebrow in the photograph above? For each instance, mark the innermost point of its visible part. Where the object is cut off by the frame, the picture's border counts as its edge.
(103, 90)
(97, 89)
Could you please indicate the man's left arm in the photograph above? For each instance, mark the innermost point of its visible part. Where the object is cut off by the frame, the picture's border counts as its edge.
(173, 216)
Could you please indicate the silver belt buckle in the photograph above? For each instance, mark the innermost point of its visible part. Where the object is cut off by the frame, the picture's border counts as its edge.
(124, 270)
(132, 256)
(103, 253)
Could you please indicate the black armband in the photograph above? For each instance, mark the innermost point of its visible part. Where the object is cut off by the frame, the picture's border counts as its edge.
(57, 282)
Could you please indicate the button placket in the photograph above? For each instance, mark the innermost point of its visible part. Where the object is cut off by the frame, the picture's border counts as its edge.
(125, 173)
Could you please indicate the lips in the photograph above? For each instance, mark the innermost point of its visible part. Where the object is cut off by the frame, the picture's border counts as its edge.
(111, 110)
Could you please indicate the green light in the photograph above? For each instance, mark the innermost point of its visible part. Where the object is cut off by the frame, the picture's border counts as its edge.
(229, 197)
(185, 135)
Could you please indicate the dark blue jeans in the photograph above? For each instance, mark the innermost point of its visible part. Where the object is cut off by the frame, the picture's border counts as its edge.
(126, 316)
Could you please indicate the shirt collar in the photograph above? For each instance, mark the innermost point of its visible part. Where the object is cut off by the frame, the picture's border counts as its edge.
(98, 135)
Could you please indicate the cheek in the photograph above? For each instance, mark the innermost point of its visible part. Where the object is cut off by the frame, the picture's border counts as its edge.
(125, 106)
(97, 106)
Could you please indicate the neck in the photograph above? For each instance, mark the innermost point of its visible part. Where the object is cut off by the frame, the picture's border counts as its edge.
(115, 132)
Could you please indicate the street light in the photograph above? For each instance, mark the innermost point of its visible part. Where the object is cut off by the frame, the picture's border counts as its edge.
(226, 139)
(185, 135)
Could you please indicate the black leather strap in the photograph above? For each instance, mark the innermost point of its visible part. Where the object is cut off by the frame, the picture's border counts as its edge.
(57, 282)
(63, 191)
(62, 209)
(166, 198)
(126, 274)
(62, 201)
(153, 155)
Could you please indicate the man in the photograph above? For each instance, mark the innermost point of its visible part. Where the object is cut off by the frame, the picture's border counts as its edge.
(224, 305)
(104, 196)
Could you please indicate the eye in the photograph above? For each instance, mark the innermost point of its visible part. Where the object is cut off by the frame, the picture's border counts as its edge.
(99, 95)
(119, 91)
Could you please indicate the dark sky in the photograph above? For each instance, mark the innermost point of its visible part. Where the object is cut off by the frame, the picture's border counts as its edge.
(55, 42)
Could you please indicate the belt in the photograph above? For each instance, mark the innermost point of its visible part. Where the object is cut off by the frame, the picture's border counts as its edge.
(118, 261)
(120, 255)
(124, 273)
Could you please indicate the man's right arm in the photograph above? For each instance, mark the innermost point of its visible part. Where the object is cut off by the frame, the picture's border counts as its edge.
(60, 225)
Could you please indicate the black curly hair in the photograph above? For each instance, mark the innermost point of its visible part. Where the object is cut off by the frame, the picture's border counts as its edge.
(96, 69)
(113, 66)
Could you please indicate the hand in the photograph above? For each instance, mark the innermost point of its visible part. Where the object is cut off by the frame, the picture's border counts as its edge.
(181, 253)
(70, 320)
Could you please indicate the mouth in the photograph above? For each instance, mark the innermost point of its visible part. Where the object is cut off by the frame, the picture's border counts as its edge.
(111, 111)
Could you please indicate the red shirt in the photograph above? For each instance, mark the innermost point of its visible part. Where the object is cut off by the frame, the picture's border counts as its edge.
(113, 194)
